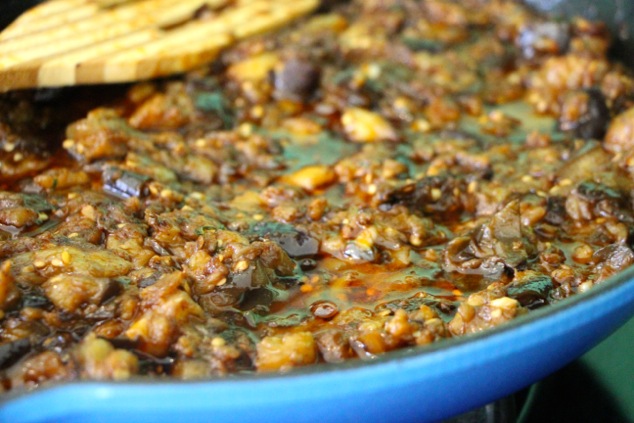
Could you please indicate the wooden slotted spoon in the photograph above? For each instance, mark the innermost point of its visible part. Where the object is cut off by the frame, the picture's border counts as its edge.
(72, 42)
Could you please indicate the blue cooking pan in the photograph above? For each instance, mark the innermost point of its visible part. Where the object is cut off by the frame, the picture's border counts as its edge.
(413, 385)
(416, 385)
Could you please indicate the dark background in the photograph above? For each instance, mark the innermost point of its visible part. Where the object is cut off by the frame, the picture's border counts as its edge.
(599, 387)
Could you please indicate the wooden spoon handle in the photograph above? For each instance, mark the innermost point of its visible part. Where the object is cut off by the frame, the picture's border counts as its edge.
(69, 42)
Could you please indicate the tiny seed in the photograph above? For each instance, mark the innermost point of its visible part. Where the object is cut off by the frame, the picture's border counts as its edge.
(324, 309)
(307, 264)
(241, 266)
(582, 254)
(218, 342)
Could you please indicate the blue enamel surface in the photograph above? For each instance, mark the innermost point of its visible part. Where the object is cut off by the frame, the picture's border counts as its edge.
(418, 385)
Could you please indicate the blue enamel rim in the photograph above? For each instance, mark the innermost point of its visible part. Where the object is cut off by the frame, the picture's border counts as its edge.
(417, 384)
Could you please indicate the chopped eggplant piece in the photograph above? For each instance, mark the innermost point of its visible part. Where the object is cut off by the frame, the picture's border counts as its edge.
(432, 195)
(556, 211)
(297, 244)
(544, 37)
(531, 289)
(296, 80)
(585, 114)
(125, 184)
(11, 352)
(493, 248)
